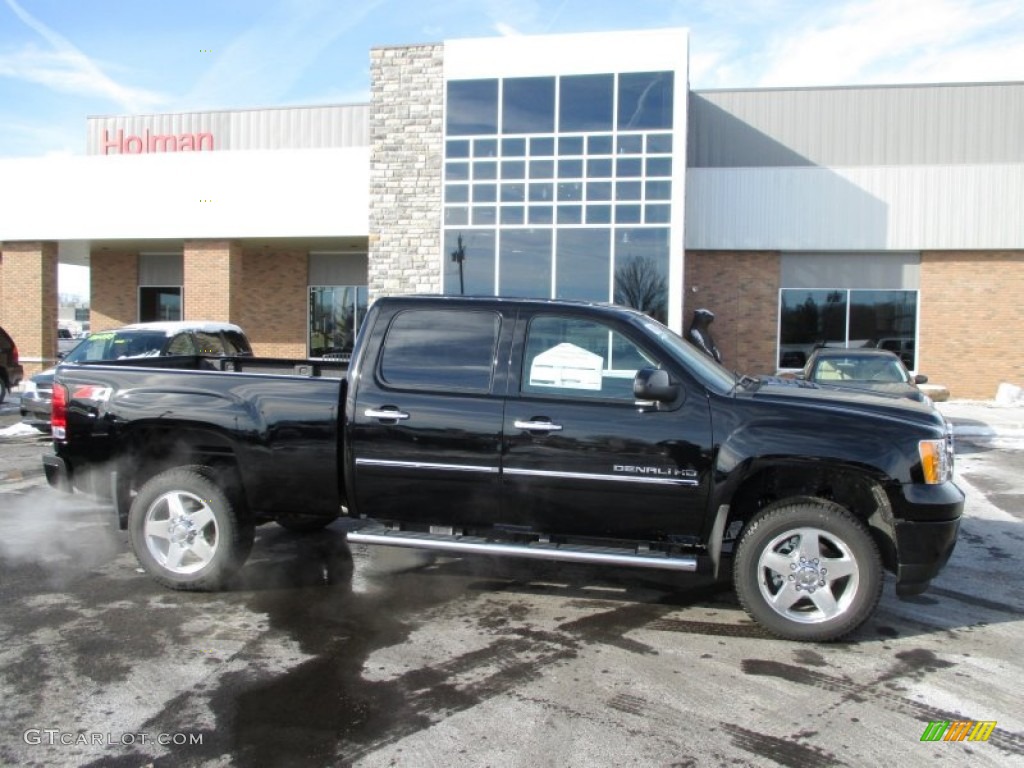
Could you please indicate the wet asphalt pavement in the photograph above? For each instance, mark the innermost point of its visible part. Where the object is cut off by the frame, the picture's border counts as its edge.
(323, 655)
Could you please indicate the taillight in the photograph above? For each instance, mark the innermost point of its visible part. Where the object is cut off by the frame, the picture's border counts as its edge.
(59, 411)
(14, 353)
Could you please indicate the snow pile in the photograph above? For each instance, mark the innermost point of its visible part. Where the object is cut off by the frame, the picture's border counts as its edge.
(19, 430)
(1009, 394)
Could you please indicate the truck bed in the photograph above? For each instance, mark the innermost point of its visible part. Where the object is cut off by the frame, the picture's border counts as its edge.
(275, 421)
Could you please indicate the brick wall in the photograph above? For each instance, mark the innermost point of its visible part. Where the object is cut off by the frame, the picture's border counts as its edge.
(264, 291)
(213, 280)
(406, 134)
(28, 303)
(971, 321)
(742, 289)
(113, 289)
(274, 313)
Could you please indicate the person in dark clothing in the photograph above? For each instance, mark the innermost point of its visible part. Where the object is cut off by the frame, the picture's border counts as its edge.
(699, 333)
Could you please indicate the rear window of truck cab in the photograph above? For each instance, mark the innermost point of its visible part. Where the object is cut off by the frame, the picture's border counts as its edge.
(440, 349)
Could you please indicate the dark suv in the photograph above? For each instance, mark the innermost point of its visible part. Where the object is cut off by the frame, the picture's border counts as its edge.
(10, 369)
(138, 340)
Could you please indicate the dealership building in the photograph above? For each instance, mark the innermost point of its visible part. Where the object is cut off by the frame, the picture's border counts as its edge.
(564, 166)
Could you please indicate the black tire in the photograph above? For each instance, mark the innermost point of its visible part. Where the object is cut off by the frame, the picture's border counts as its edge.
(304, 523)
(807, 569)
(3, 390)
(187, 532)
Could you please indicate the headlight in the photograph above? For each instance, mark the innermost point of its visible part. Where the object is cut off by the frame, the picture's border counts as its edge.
(936, 459)
(28, 388)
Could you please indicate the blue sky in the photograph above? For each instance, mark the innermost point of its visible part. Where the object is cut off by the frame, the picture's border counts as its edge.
(63, 60)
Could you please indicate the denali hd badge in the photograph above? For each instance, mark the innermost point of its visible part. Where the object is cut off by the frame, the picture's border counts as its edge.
(631, 469)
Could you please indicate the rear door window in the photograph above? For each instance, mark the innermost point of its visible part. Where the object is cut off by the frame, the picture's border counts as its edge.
(235, 343)
(441, 350)
(208, 343)
(181, 345)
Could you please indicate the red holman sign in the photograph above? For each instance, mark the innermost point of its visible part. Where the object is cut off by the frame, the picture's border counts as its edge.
(132, 144)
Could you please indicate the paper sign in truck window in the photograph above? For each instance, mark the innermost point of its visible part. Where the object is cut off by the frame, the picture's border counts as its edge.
(567, 366)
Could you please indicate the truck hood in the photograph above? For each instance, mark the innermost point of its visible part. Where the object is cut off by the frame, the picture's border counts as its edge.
(869, 403)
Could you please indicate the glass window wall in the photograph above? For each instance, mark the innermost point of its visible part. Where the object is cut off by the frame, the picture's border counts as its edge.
(809, 319)
(560, 187)
(335, 313)
(159, 303)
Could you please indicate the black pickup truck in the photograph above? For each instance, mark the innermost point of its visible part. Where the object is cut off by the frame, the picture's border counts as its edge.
(533, 429)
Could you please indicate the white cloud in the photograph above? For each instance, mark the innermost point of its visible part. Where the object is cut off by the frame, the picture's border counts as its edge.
(67, 69)
(505, 30)
(899, 41)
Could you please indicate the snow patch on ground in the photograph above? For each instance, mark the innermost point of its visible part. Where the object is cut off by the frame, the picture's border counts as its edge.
(19, 430)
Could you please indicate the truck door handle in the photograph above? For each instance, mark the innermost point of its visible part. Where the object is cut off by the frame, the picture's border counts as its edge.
(537, 426)
(391, 414)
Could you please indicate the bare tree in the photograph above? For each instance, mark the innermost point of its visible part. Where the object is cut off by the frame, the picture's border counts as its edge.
(640, 284)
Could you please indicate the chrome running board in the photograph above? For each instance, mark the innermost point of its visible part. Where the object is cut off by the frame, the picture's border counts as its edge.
(471, 545)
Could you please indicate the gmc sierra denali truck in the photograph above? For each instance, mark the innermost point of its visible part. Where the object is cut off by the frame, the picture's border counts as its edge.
(527, 428)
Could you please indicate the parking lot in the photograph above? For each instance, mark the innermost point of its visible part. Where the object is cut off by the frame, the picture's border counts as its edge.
(324, 655)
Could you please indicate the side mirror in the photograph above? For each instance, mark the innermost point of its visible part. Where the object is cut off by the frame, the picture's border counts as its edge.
(654, 384)
(920, 379)
(61, 355)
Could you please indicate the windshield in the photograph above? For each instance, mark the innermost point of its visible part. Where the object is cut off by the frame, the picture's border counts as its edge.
(113, 345)
(710, 373)
(837, 368)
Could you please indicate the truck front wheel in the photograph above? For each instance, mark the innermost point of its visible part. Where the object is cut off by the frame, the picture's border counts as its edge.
(808, 569)
(187, 532)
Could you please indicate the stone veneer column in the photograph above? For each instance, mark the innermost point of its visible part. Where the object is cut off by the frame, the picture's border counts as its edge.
(113, 289)
(406, 136)
(213, 280)
(28, 302)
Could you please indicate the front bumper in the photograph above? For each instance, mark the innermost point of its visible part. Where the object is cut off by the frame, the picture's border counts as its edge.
(924, 549)
(925, 544)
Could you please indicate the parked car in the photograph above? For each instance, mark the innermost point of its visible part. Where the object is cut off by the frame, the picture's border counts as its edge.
(878, 370)
(138, 340)
(66, 341)
(11, 371)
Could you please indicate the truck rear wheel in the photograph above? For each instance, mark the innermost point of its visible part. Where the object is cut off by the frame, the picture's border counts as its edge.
(808, 569)
(187, 532)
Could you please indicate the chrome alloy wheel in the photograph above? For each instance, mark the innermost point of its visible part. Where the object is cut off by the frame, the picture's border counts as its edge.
(181, 532)
(808, 575)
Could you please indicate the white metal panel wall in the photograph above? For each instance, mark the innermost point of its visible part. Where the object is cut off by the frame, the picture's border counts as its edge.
(868, 208)
(161, 269)
(841, 127)
(287, 193)
(881, 271)
(346, 125)
(570, 54)
(338, 268)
